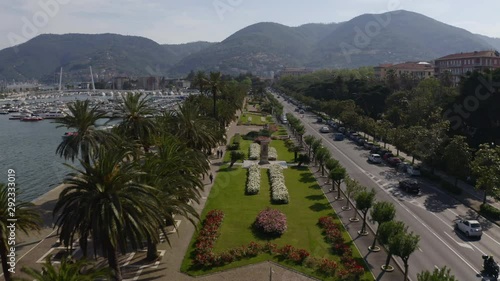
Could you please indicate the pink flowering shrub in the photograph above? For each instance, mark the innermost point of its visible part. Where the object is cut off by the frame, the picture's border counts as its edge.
(271, 221)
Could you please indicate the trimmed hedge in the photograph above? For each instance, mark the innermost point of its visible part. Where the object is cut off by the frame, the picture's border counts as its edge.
(490, 212)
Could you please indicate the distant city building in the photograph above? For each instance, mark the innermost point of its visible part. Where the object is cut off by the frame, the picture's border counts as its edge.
(22, 87)
(185, 84)
(150, 83)
(118, 82)
(294, 71)
(416, 70)
(459, 64)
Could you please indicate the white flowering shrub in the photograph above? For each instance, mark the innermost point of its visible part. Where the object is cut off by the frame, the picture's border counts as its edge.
(279, 192)
(254, 151)
(253, 179)
(272, 154)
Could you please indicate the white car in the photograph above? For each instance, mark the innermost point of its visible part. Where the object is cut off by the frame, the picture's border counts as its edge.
(324, 129)
(375, 158)
(469, 227)
(413, 170)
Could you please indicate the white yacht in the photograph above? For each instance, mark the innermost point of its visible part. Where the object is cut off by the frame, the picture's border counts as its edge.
(53, 115)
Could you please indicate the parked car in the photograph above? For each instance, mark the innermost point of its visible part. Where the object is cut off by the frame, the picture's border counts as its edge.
(353, 135)
(383, 152)
(301, 111)
(376, 150)
(375, 159)
(386, 156)
(342, 129)
(368, 145)
(413, 170)
(324, 129)
(393, 161)
(469, 227)
(410, 186)
(402, 167)
(319, 120)
(361, 141)
(338, 136)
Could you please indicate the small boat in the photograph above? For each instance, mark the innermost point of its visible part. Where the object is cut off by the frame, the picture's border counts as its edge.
(16, 117)
(32, 118)
(54, 115)
(3, 112)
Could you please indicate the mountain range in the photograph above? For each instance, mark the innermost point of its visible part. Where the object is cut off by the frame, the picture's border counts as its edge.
(262, 48)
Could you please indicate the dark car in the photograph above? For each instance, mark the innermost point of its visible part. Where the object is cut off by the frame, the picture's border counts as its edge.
(410, 186)
(368, 145)
(319, 120)
(402, 167)
(393, 161)
(338, 136)
(386, 156)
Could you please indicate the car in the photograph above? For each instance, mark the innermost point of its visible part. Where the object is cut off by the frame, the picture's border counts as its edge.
(342, 129)
(387, 155)
(375, 150)
(469, 227)
(413, 170)
(402, 167)
(410, 186)
(301, 111)
(338, 136)
(324, 129)
(375, 159)
(368, 145)
(319, 120)
(383, 152)
(393, 161)
(297, 109)
(361, 141)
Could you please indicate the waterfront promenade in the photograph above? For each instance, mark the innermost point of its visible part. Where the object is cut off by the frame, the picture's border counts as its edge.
(32, 250)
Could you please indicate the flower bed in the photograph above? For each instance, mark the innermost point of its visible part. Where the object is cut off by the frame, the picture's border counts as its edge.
(272, 154)
(207, 237)
(333, 233)
(279, 192)
(271, 221)
(254, 151)
(253, 179)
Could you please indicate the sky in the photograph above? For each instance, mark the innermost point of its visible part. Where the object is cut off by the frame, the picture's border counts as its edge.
(182, 21)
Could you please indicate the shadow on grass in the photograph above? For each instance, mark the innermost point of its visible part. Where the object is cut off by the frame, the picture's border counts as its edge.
(315, 197)
(318, 207)
(307, 178)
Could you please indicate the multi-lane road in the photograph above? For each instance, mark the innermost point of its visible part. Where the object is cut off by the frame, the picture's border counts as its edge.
(431, 214)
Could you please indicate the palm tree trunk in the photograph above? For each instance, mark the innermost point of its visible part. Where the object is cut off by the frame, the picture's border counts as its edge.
(113, 263)
(83, 244)
(215, 104)
(152, 250)
(5, 266)
(484, 198)
(364, 223)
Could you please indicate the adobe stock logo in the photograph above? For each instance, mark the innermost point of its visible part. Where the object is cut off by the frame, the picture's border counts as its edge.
(461, 112)
(31, 27)
(223, 6)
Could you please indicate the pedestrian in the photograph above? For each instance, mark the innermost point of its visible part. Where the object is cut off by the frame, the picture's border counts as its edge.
(211, 177)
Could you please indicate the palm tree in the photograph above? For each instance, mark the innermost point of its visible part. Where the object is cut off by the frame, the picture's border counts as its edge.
(364, 201)
(105, 201)
(215, 84)
(67, 270)
(322, 155)
(87, 139)
(135, 124)
(195, 130)
(200, 80)
(27, 219)
(174, 172)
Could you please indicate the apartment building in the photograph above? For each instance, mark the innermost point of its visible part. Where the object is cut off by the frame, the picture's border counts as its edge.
(459, 64)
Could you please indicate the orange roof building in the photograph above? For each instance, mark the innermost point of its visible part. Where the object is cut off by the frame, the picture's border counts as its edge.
(459, 64)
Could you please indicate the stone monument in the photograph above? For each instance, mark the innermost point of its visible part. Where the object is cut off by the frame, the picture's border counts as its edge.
(264, 151)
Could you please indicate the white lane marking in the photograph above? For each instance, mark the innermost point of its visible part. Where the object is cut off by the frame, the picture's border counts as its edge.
(464, 245)
(397, 201)
(420, 249)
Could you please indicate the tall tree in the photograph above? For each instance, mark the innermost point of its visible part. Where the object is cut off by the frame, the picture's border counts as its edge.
(457, 155)
(381, 212)
(85, 141)
(200, 81)
(486, 167)
(215, 84)
(309, 140)
(364, 201)
(387, 231)
(27, 219)
(105, 201)
(337, 175)
(137, 124)
(404, 245)
(322, 155)
(352, 189)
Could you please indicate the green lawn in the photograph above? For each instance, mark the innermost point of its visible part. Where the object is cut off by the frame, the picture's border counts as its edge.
(307, 205)
(256, 119)
(283, 153)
